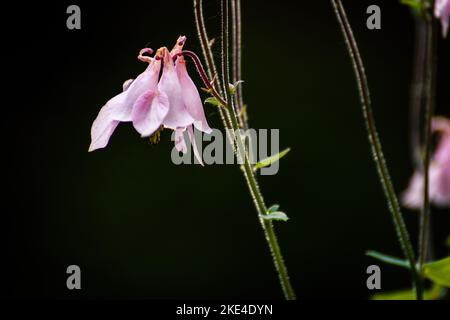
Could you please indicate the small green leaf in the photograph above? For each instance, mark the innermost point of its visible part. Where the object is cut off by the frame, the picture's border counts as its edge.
(438, 271)
(418, 6)
(277, 215)
(234, 86)
(415, 4)
(206, 90)
(243, 111)
(213, 101)
(388, 259)
(433, 293)
(273, 208)
(268, 161)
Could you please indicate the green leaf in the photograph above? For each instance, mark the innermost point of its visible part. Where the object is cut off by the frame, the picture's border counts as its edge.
(213, 101)
(418, 6)
(268, 161)
(415, 4)
(277, 215)
(234, 86)
(433, 293)
(273, 208)
(388, 259)
(438, 271)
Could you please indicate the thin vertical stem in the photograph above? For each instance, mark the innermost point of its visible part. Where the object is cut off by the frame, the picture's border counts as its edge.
(237, 61)
(375, 144)
(209, 57)
(230, 121)
(429, 111)
(417, 90)
(225, 50)
(249, 175)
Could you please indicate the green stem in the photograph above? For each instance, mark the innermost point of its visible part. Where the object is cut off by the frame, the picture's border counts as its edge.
(417, 91)
(230, 120)
(237, 61)
(252, 183)
(209, 57)
(429, 111)
(375, 144)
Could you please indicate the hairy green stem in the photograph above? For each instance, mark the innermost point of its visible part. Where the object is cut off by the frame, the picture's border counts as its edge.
(375, 144)
(231, 121)
(237, 61)
(252, 183)
(209, 57)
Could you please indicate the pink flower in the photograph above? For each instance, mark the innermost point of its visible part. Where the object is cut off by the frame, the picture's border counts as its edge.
(439, 172)
(151, 102)
(442, 11)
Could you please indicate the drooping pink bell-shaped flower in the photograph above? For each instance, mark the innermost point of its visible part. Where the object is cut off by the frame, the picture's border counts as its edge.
(442, 11)
(151, 102)
(439, 172)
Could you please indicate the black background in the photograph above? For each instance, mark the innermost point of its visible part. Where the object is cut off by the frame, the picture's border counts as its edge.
(141, 227)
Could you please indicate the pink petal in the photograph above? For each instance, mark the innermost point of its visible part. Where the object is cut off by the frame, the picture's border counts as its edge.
(101, 133)
(413, 196)
(149, 112)
(119, 108)
(180, 144)
(442, 11)
(194, 144)
(146, 81)
(178, 116)
(127, 84)
(442, 152)
(439, 193)
(191, 97)
(441, 124)
(106, 122)
(178, 46)
(442, 159)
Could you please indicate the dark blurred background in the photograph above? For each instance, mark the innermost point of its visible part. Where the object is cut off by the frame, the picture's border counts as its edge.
(141, 227)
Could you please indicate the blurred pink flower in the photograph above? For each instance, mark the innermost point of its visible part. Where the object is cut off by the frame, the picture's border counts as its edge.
(151, 102)
(439, 172)
(442, 11)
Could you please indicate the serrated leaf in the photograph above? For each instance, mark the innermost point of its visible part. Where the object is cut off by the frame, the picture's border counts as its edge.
(388, 259)
(273, 208)
(213, 101)
(438, 271)
(268, 161)
(433, 293)
(277, 216)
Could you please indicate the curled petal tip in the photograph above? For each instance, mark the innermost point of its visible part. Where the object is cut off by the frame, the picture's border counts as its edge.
(181, 40)
(178, 46)
(143, 57)
(127, 84)
(146, 50)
